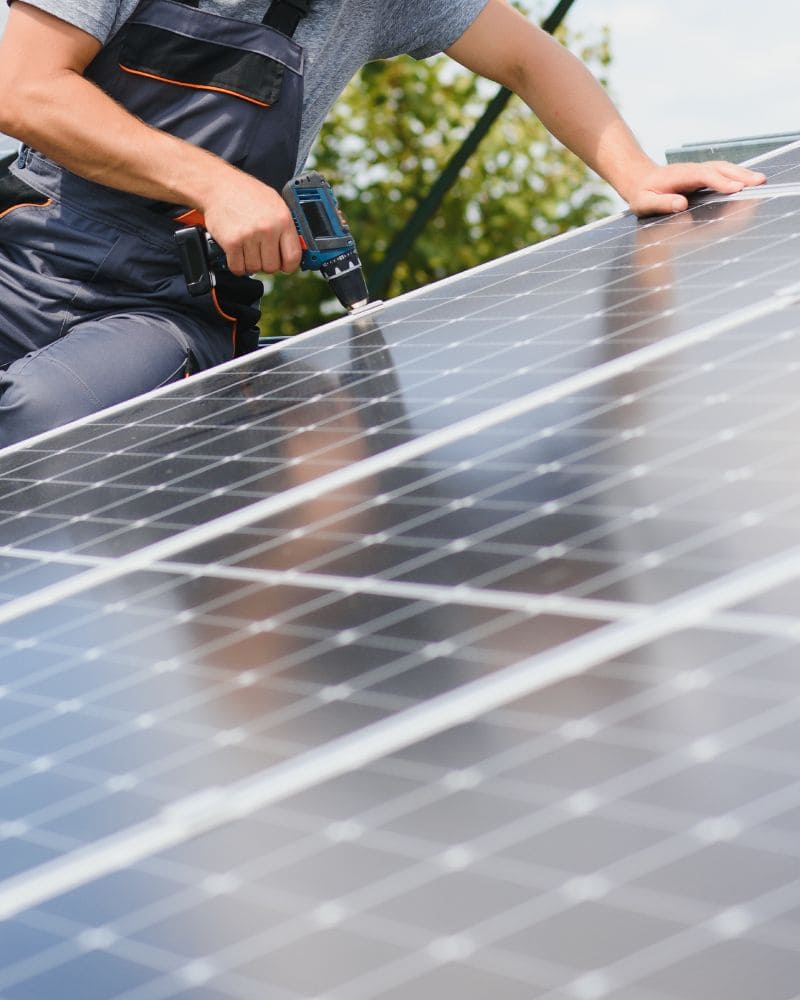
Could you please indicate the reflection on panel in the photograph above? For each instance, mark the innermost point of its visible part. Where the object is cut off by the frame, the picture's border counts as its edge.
(288, 416)
(120, 701)
(636, 490)
(632, 833)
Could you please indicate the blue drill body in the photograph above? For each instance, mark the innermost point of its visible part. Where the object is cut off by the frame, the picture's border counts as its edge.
(320, 226)
(328, 244)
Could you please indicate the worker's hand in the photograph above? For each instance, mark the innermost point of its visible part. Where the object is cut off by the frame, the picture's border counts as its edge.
(253, 225)
(659, 190)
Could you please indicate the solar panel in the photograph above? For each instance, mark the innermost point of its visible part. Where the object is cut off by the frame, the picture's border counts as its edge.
(782, 167)
(448, 648)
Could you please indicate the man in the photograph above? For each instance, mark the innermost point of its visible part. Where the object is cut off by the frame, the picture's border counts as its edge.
(139, 116)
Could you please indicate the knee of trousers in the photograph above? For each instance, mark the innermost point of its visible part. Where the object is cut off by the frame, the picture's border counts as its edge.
(96, 365)
(43, 390)
(37, 398)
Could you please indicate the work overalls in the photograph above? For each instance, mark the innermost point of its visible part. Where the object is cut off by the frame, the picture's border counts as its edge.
(93, 304)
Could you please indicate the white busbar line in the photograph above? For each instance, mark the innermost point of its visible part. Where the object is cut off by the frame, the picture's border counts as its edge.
(431, 593)
(393, 457)
(773, 154)
(216, 807)
(561, 605)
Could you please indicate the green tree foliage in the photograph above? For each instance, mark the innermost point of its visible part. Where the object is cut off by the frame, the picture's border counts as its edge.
(385, 143)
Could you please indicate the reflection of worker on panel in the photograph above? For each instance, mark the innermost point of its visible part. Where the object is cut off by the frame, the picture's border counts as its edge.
(660, 419)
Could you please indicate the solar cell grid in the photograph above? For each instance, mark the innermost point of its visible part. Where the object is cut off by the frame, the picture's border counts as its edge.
(614, 483)
(782, 167)
(631, 833)
(306, 563)
(193, 433)
(104, 507)
(161, 685)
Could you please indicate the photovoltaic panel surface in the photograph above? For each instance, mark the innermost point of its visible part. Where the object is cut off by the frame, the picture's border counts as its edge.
(631, 833)
(448, 648)
(144, 473)
(613, 496)
(782, 167)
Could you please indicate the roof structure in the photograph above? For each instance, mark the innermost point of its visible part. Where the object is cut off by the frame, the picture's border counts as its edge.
(446, 651)
(734, 150)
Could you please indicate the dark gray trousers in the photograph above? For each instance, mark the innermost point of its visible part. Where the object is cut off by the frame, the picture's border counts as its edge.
(90, 315)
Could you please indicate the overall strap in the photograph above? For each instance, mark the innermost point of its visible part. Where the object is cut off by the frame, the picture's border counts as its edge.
(285, 15)
(282, 15)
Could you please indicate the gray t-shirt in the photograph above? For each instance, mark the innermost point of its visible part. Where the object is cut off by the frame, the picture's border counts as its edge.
(339, 37)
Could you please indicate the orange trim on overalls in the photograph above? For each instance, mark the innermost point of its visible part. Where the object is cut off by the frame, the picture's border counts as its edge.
(27, 204)
(230, 319)
(192, 217)
(194, 86)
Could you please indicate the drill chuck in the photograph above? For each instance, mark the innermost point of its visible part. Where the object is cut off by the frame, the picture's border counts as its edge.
(346, 279)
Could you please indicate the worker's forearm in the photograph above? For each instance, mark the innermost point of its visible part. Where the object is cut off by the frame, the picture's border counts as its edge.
(107, 144)
(573, 106)
(49, 104)
(506, 47)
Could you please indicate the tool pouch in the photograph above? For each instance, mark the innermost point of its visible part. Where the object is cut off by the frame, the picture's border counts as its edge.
(239, 298)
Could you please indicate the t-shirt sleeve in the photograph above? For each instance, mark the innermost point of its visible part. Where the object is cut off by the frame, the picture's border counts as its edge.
(95, 17)
(422, 28)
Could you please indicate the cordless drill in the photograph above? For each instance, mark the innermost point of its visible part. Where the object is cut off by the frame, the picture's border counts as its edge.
(327, 243)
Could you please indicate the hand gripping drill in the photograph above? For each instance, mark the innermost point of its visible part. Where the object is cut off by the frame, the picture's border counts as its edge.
(327, 243)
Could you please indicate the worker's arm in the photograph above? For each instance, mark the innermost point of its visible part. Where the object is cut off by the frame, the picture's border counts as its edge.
(51, 106)
(503, 45)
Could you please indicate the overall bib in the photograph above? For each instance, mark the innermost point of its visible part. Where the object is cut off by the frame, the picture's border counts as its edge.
(93, 303)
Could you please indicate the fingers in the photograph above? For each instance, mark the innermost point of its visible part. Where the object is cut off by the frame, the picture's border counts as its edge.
(712, 177)
(655, 203)
(258, 256)
(235, 258)
(266, 252)
(750, 178)
(254, 227)
(290, 249)
(688, 177)
(727, 178)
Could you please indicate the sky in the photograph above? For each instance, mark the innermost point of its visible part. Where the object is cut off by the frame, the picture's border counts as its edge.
(693, 70)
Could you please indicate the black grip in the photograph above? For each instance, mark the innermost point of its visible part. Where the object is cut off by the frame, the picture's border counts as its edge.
(194, 256)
